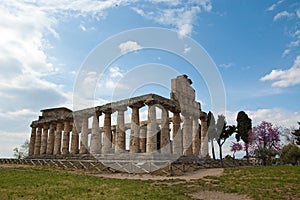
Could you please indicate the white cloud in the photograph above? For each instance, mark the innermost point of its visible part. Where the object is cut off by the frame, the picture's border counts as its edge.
(179, 14)
(186, 50)
(285, 78)
(298, 13)
(226, 65)
(272, 7)
(129, 46)
(282, 14)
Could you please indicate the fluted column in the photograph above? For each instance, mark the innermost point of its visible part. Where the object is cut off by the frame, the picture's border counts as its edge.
(50, 142)
(106, 146)
(151, 145)
(43, 149)
(84, 136)
(196, 140)
(32, 140)
(177, 134)
(37, 145)
(120, 130)
(187, 135)
(204, 137)
(135, 129)
(66, 138)
(96, 136)
(142, 139)
(57, 139)
(74, 140)
(165, 146)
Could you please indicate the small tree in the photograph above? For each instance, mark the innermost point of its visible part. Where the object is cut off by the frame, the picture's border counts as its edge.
(224, 132)
(244, 125)
(264, 141)
(22, 151)
(235, 146)
(212, 132)
(290, 154)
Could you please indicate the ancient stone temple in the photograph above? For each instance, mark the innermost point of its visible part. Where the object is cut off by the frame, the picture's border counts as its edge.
(181, 128)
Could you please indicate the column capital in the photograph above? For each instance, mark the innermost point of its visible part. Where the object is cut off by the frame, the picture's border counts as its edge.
(137, 105)
(150, 102)
(121, 108)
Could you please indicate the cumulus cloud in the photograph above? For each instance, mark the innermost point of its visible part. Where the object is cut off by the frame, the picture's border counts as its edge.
(283, 14)
(129, 46)
(285, 78)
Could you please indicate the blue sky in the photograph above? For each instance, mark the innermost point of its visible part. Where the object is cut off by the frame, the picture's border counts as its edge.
(44, 44)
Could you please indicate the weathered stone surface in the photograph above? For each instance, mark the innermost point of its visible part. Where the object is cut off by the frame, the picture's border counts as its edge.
(135, 130)
(43, 149)
(196, 138)
(142, 139)
(187, 136)
(50, 142)
(32, 141)
(66, 138)
(57, 139)
(106, 147)
(165, 146)
(151, 145)
(177, 134)
(84, 136)
(37, 145)
(120, 133)
(204, 136)
(74, 140)
(96, 137)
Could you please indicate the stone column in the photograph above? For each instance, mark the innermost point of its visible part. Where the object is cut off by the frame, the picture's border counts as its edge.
(204, 137)
(165, 146)
(151, 145)
(187, 135)
(43, 149)
(57, 139)
(134, 129)
(96, 136)
(37, 145)
(120, 131)
(142, 139)
(177, 134)
(113, 138)
(50, 142)
(106, 145)
(32, 140)
(196, 140)
(66, 138)
(84, 136)
(74, 140)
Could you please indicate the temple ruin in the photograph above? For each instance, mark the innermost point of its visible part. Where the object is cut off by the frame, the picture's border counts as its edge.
(61, 132)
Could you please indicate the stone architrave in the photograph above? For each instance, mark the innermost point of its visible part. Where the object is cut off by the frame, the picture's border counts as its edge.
(57, 139)
(177, 134)
(37, 145)
(106, 138)
(165, 146)
(135, 129)
(142, 139)
(74, 140)
(120, 131)
(84, 136)
(66, 137)
(96, 136)
(50, 142)
(43, 149)
(151, 142)
(204, 137)
(196, 139)
(187, 135)
(32, 140)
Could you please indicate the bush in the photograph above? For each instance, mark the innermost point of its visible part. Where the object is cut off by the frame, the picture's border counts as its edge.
(290, 154)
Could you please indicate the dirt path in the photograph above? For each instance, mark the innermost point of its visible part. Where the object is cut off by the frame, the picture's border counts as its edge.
(188, 176)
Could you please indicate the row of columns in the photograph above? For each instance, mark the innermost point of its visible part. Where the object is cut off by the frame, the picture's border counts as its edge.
(54, 138)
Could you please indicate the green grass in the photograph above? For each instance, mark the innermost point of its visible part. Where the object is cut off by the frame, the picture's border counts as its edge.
(24, 183)
(272, 182)
(280, 182)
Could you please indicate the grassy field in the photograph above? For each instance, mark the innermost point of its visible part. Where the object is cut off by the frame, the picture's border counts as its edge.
(280, 182)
